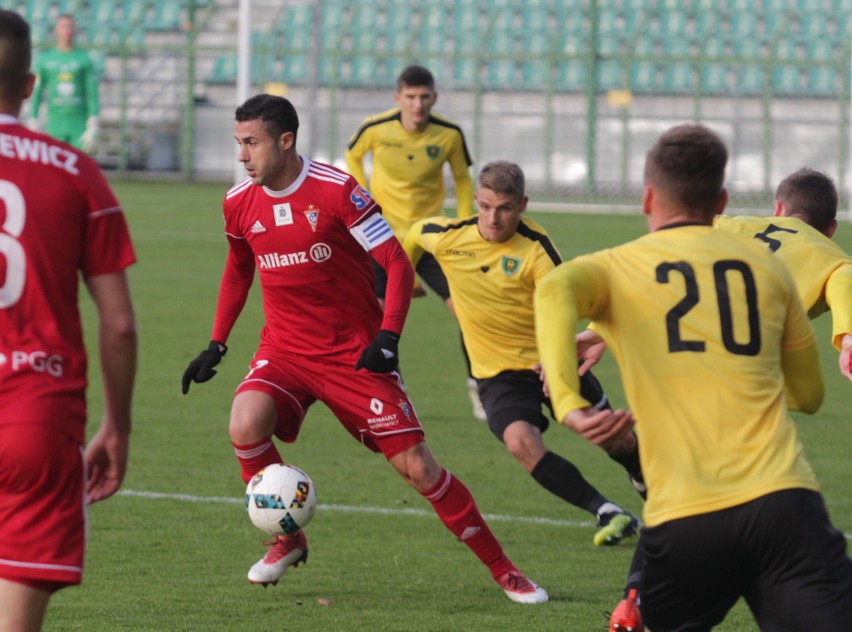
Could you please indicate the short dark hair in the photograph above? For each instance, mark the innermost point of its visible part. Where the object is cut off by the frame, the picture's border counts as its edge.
(415, 76)
(277, 113)
(688, 162)
(15, 54)
(811, 194)
(502, 176)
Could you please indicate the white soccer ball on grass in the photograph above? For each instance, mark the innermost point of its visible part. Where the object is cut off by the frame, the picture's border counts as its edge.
(281, 499)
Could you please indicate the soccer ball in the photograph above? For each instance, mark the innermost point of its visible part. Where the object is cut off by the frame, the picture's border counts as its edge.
(280, 499)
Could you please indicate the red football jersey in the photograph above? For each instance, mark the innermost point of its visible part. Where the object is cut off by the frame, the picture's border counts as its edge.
(58, 218)
(310, 245)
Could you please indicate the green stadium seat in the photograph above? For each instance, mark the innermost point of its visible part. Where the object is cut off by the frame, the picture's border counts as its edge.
(822, 49)
(714, 78)
(103, 11)
(388, 70)
(465, 17)
(787, 80)
(365, 17)
(399, 41)
(465, 29)
(295, 68)
(707, 24)
(610, 76)
(750, 79)
(739, 25)
(434, 16)
(787, 50)
(37, 11)
(749, 47)
(536, 20)
(679, 77)
(535, 75)
(773, 24)
(465, 72)
(608, 21)
(224, 69)
(41, 32)
(775, 6)
(824, 81)
(72, 7)
(432, 41)
(500, 75)
(813, 25)
(363, 71)
(644, 77)
(571, 76)
(808, 5)
(166, 16)
(673, 23)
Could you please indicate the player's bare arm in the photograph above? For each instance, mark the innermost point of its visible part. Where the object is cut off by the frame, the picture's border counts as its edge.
(106, 453)
(608, 429)
(590, 349)
(845, 358)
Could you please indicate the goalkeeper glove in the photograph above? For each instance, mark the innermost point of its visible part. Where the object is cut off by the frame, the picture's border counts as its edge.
(382, 355)
(201, 369)
(89, 138)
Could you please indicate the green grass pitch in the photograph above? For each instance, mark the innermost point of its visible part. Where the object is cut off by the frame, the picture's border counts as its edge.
(380, 560)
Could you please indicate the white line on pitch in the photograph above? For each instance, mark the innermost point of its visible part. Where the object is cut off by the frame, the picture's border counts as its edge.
(353, 508)
(356, 509)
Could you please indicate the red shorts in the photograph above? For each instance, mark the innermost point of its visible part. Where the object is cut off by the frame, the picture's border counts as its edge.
(42, 505)
(373, 407)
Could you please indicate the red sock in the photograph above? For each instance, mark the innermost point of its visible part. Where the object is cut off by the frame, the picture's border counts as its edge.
(256, 456)
(457, 509)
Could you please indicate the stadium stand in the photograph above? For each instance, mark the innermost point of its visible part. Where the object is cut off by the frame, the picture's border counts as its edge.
(790, 47)
(764, 49)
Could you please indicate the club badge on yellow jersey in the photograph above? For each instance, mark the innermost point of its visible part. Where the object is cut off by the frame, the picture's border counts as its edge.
(510, 265)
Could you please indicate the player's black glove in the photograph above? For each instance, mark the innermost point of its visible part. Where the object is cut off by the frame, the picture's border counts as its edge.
(382, 355)
(201, 369)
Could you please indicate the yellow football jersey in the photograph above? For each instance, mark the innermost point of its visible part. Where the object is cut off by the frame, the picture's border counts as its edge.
(407, 177)
(491, 285)
(820, 268)
(701, 323)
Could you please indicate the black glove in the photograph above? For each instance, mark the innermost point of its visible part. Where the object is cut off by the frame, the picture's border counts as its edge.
(201, 369)
(382, 355)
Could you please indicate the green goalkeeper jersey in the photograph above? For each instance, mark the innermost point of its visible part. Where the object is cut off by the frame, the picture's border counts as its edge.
(69, 80)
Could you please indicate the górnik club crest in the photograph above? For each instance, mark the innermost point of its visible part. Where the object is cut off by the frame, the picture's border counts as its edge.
(510, 265)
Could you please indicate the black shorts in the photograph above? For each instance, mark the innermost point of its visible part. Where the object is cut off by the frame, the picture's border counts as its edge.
(517, 396)
(779, 552)
(427, 268)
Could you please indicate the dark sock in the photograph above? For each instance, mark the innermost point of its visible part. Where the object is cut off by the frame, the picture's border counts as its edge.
(630, 462)
(562, 478)
(634, 575)
(464, 353)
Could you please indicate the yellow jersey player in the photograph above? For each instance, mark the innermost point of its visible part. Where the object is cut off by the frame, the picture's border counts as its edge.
(493, 262)
(712, 342)
(799, 232)
(409, 146)
(804, 220)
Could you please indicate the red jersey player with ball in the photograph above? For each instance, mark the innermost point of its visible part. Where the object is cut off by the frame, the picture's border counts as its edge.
(309, 230)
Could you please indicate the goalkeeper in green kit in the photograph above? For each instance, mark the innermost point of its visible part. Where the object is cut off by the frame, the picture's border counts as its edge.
(68, 76)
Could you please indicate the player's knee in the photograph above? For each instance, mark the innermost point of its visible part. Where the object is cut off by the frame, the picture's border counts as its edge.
(418, 467)
(524, 444)
(252, 419)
